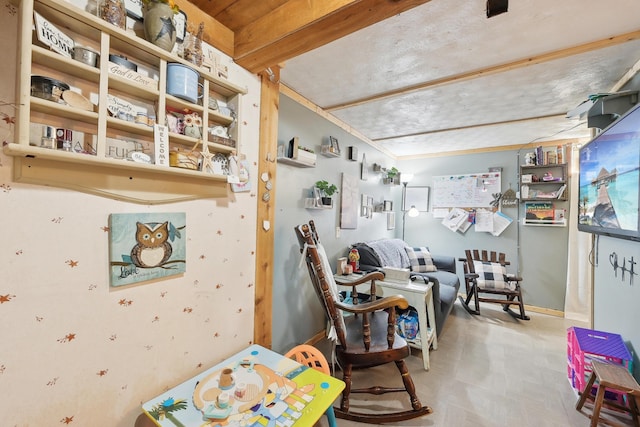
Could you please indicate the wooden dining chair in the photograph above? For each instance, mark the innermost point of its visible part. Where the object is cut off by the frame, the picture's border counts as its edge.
(485, 274)
(364, 339)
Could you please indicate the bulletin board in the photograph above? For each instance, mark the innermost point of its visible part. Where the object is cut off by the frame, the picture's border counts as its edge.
(474, 190)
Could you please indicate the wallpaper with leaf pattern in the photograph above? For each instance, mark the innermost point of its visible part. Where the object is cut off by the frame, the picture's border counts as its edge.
(74, 351)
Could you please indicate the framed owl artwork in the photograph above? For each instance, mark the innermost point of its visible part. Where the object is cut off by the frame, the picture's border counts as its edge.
(146, 247)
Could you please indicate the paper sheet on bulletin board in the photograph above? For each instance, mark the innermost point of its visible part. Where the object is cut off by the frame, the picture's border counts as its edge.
(474, 190)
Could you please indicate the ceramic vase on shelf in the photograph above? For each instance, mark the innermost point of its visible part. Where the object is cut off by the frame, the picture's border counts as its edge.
(159, 27)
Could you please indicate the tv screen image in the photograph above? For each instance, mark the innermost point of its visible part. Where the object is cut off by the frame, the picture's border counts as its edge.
(609, 180)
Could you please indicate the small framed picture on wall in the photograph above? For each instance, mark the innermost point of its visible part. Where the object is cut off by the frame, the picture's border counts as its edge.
(364, 172)
(134, 9)
(416, 196)
(391, 220)
(353, 153)
(335, 147)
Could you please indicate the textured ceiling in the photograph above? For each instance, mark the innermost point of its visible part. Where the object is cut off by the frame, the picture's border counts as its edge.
(443, 77)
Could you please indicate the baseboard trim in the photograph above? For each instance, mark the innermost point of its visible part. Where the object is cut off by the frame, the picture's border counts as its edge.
(542, 310)
(535, 309)
(316, 338)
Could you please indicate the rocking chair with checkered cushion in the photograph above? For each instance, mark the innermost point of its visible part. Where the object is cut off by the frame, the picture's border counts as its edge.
(485, 273)
(364, 339)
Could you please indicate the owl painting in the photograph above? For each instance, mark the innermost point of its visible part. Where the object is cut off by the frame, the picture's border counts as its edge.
(146, 246)
(153, 248)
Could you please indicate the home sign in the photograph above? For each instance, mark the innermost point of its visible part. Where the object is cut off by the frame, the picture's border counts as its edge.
(50, 36)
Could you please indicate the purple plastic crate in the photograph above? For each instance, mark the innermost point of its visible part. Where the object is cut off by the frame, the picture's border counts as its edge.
(585, 345)
(601, 343)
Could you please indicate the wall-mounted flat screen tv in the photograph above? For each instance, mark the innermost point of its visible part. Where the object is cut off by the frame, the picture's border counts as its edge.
(610, 180)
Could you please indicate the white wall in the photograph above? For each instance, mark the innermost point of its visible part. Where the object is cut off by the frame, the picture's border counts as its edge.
(616, 301)
(72, 347)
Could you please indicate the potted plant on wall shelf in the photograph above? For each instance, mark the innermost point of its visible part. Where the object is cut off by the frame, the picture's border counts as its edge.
(326, 192)
(391, 175)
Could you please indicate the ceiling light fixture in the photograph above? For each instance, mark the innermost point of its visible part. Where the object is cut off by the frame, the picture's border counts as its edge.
(496, 7)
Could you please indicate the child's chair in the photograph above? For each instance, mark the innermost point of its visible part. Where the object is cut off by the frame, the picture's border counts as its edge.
(313, 358)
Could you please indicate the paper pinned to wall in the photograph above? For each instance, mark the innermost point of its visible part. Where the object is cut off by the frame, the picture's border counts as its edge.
(484, 221)
(456, 219)
(500, 223)
(491, 222)
(440, 213)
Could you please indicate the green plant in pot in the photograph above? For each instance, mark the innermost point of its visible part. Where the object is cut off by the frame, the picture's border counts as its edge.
(326, 191)
(391, 175)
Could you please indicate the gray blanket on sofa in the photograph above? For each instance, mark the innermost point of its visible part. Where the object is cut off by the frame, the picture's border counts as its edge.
(391, 252)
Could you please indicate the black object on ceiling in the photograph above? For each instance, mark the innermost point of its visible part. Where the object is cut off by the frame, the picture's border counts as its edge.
(496, 7)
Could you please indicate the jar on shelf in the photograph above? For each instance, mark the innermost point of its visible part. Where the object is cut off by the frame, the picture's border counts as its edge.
(113, 11)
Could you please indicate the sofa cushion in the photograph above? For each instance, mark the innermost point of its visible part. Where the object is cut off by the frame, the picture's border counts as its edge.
(492, 275)
(420, 260)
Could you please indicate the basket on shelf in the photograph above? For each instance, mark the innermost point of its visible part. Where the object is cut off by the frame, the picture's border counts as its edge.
(184, 159)
(222, 140)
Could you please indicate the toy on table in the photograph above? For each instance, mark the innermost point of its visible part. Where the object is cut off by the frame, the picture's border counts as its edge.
(354, 259)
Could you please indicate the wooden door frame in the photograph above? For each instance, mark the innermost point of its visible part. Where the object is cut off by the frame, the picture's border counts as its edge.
(269, 107)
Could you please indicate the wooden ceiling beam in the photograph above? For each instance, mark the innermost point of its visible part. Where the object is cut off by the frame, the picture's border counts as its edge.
(299, 26)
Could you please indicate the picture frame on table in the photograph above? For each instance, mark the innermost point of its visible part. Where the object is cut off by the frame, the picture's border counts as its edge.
(317, 195)
(334, 144)
(134, 9)
(364, 171)
(180, 22)
(391, 220)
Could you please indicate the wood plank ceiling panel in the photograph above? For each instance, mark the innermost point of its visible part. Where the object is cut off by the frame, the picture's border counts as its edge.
(213, 8)
(243, 12)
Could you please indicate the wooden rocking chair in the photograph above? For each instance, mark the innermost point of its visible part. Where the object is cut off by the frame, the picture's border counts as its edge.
(484, 272)
(365, 339)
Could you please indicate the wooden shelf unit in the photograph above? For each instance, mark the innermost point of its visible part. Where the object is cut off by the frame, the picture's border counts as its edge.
(96, 172)
(294, 162)
(557, 170)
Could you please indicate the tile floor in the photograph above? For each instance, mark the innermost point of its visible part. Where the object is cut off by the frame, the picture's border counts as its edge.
(489, 370)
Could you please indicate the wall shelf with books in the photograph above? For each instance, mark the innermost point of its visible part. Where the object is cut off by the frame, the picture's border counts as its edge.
(544, 214)
(294, 154)
(544, 182)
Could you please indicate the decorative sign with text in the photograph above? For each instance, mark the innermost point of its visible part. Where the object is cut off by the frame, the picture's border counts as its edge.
(52, 37)
(132, 76)
(161, 140)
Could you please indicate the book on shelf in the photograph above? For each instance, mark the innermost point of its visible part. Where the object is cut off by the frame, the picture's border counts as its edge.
(560, 155)
(543, 213)
(537, 194)
(551, 156)
(539, 156)
(292, 151)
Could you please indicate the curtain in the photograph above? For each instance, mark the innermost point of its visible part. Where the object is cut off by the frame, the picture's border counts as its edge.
(578, 300)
